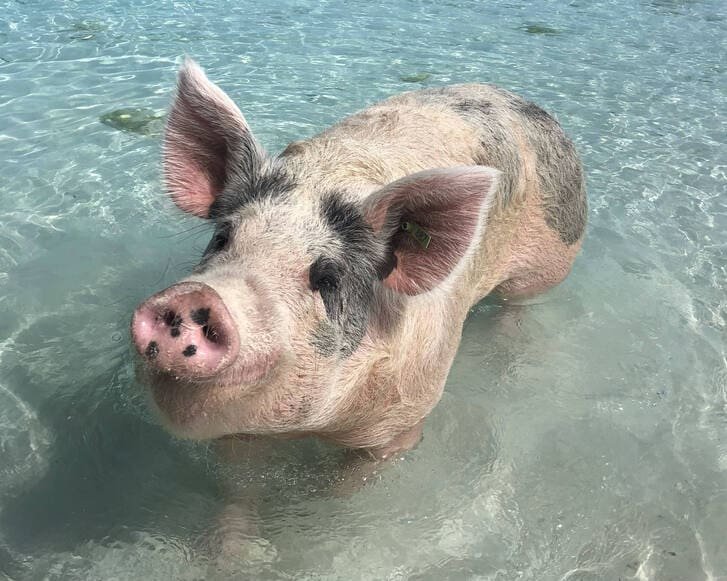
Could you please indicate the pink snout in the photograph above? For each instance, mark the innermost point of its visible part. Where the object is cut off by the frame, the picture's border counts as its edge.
(185, 330)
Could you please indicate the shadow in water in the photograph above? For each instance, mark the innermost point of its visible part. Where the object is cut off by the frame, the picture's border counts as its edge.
(109, 473)
(104, 470)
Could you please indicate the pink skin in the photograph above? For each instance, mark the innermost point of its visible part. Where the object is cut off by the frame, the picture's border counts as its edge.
(185, 330)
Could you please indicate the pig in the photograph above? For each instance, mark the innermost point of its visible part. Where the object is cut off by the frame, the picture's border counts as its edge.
(331, 298)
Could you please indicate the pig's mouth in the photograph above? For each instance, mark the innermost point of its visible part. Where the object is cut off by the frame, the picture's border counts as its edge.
(243, 374)
(188, 404)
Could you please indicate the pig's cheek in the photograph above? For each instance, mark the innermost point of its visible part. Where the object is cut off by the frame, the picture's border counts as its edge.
(307, 312)
(294, 407)
(303, 299)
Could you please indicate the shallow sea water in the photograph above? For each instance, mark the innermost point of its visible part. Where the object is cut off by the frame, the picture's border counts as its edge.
(583, 433)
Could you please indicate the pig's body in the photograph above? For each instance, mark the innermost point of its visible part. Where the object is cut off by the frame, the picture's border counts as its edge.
(364, 363)
(391, 383)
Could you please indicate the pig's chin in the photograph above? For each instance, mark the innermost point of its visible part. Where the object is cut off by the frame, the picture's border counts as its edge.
(197, 408)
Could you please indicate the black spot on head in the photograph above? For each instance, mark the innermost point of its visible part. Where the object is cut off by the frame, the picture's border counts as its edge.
(324, 339)
(346, 220)
(346, 279)
(261, 181)
(152, 350)
(473, 106)
(189, 350)
(175, 332)
(200, 316)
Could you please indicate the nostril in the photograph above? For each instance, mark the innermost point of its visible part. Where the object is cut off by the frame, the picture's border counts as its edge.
(172, 319)
(210, 333)
(152, 350)
(200, 316)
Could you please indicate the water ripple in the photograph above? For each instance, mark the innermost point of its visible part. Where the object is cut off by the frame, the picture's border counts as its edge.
(581, 435)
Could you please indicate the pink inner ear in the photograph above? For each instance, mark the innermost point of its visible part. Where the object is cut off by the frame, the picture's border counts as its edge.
(449, 204)
(191, 188)
(451, 228)
(203, 131)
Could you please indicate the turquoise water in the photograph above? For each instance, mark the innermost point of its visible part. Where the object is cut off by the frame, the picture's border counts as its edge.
(582, 435)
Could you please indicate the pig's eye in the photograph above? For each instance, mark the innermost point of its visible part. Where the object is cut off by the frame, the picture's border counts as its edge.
(325, 283)
(219, 241)
(323, 276)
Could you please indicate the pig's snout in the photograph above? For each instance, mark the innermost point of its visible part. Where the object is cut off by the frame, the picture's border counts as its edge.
(185, 330)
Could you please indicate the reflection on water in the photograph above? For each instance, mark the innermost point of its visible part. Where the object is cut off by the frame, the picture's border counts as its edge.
(581, 435)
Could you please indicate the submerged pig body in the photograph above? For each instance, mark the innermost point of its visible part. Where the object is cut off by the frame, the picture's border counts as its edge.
(313, 310)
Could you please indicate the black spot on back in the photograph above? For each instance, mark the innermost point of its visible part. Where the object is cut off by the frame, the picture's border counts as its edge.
(189, 350)
(535, 113)
(497, 146)
(560, 175)
(559, 170)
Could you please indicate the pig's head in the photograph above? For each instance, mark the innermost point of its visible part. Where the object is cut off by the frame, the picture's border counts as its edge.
(297, 287)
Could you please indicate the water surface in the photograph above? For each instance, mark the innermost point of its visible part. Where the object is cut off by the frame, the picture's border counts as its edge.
(582, 435)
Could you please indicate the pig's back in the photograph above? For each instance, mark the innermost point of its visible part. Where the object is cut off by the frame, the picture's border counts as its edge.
(474, 124)
(540, 211)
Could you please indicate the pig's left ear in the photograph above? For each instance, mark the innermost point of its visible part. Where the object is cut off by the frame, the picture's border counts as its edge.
(431, 220)
(207, 142)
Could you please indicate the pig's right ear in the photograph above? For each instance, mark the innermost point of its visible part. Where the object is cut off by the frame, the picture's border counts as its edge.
(207, 141)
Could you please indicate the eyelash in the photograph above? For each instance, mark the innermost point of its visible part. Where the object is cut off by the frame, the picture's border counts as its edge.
(218, 242)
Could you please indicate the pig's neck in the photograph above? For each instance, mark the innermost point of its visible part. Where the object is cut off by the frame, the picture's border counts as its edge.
(391, 382)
